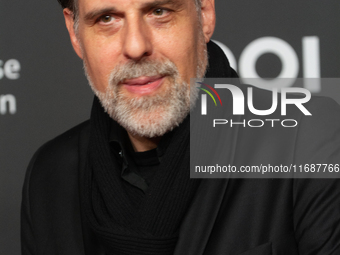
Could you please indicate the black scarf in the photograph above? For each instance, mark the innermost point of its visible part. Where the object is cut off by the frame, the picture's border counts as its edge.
(151, 228)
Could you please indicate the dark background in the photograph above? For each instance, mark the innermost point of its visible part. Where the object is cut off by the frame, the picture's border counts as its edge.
(51, 95)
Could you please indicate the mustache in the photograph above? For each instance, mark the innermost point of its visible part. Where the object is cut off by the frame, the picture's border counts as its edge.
(146, 67)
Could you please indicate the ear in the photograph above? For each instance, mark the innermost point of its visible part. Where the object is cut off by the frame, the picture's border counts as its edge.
(208, 18)
(68, 15)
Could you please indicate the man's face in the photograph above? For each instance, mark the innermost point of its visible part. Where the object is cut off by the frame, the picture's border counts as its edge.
(139, 56)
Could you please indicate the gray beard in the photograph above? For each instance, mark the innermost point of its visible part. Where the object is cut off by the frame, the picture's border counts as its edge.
(149, 116)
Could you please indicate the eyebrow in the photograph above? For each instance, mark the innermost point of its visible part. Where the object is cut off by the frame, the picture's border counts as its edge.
(97, 12)
(92, 14)
(176, 3)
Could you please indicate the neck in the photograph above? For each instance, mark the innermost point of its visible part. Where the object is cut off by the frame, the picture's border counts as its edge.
(141, 143)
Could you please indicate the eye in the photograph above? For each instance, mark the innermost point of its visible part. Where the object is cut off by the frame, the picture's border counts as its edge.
(106, 19)
(159, 12)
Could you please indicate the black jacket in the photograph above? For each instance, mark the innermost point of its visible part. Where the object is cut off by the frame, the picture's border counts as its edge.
(226, 217)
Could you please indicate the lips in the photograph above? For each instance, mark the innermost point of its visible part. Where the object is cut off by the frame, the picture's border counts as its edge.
(143, 85)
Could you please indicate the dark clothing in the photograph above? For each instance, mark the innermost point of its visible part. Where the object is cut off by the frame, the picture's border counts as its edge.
(137, 168)
(225, 216)
(124, 220)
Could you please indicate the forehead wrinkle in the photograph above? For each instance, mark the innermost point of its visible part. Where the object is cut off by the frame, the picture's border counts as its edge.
(98, 11)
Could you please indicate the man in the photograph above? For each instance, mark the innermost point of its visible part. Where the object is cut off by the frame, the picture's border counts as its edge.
(119, 183)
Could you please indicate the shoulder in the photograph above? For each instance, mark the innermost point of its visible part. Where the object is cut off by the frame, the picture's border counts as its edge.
(58, 158)
(318, 136)
(306, 138)
(50, 196)
(63, 147)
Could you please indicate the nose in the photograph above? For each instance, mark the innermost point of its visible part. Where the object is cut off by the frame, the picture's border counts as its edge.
(136, 43)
